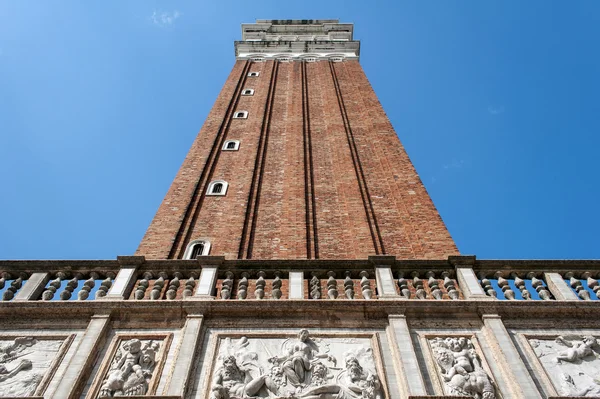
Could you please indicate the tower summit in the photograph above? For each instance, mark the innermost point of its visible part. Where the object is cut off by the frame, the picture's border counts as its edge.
(331, 276)
(297, 160)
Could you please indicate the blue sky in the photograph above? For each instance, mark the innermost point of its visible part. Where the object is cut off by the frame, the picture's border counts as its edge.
(495, 101)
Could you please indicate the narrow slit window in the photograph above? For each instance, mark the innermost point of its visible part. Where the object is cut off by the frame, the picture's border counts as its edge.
(231, 145)
(253, 74)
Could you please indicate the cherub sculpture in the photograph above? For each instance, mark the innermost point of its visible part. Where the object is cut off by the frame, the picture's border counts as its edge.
(578, 348)
(461, 368)
(131, 370)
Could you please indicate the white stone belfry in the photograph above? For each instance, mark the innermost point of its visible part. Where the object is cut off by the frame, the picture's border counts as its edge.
(310, 39)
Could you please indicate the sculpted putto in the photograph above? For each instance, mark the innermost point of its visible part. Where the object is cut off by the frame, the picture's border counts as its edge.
(578, 349)
(131, 370)
(461, 368)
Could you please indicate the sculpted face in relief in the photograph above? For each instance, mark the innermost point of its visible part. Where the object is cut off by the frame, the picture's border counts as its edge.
(301, 367)
(131, 370)
(572, 363)
(460, 368)
(23, 364)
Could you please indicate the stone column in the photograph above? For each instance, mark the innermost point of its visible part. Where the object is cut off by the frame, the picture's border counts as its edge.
(184, 359)
(409, 373)
(559, 287)
(33, 288)
(83, 358)
(508, 359)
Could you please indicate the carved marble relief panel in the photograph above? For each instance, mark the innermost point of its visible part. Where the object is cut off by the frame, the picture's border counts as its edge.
(28, 363)
(571, 362)
(459, 366)
(132, 366)
(302, 366)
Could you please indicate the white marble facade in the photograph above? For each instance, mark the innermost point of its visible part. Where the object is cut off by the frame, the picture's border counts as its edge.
(26, 363)
(571, 362)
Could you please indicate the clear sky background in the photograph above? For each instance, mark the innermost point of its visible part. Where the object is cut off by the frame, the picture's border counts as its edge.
(495, 101)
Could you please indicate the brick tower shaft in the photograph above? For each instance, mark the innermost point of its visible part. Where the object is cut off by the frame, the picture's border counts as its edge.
(308, 162)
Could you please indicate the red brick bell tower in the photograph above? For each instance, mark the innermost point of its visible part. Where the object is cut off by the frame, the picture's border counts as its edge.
(297, 160)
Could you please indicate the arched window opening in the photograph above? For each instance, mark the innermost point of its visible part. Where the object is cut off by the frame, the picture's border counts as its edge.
(231, 145)
(218, 187)
(200, 247)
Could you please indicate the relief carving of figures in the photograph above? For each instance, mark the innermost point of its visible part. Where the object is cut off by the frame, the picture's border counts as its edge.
(131, 370)
(571, 362)
(461, 369)
(23, 364)
(295, 368)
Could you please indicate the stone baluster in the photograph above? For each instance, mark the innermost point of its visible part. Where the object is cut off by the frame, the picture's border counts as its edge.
(365, 285)
(12, 290)
(486, 284)
(276, 286)
(5, 276)
(540, 288)
(53, 286)
(190, 284)
(418, 285)
(433, 284)
(349, 286)
(71, 286)
(88, 285)
(144, 283)
(403, 284)
(243, 286)
(575, 283)
(315, 287)
(105, 286)
(503, 284)
(174, 285)
(259, 292)
(592, 283)
(227, 285)
(332, 291)
(450, 286)
(520, 284)
(157, 288)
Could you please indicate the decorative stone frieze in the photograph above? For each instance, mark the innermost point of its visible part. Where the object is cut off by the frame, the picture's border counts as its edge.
(27, 363)
(132, 367)
(296, 367)
(460, 368)
(572, 363)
